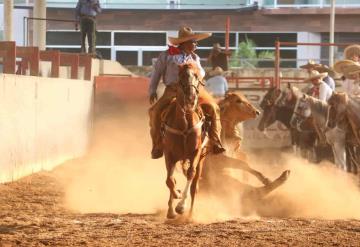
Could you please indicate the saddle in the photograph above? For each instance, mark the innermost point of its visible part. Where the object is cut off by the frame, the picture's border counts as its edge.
(171, 107)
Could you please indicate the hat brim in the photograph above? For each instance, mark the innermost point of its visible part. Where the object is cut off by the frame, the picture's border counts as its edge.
(319, 76)
(196, 36)
(323, 68)
(308, 66)
(344, 66)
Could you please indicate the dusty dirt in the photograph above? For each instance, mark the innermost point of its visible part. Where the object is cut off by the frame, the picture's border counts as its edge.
(116, 196)
(33, 213)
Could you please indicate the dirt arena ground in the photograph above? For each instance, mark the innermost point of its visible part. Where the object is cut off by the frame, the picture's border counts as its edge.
(116, 196)
(33, 214)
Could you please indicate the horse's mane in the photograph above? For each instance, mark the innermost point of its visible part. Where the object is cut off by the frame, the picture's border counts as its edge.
(297, 92)
(190, 65)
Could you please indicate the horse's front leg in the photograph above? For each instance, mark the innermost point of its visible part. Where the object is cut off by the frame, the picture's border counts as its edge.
(195, 184)
(171, 183)
(180, 208)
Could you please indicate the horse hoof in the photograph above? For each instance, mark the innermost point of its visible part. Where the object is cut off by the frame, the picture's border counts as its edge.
(285, 175)
(171, 215)
(180, 209)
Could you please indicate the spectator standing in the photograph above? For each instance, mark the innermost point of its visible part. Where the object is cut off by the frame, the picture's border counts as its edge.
(218, 58)
(86, 12)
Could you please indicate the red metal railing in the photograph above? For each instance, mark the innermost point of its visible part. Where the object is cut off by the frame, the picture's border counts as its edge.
(31, 57)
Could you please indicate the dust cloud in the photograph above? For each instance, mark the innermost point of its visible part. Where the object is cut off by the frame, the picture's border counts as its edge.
(118, 176)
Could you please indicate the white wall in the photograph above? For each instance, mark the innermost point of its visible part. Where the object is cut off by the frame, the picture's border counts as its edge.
(308, 52)
(43, 122)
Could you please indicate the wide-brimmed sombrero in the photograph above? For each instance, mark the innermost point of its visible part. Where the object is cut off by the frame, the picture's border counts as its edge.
(310, 65)
(324, 68)
(217, 71)
(186, 34)
(346, 66)
(352, 50)
(316, 75)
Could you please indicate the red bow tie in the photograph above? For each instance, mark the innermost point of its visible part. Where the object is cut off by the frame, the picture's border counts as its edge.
(316, 91)
(173, 50)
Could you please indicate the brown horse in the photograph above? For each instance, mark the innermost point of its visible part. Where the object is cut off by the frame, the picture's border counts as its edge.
(184, 139)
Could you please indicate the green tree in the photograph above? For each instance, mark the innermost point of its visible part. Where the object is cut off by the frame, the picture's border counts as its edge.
(246, 56)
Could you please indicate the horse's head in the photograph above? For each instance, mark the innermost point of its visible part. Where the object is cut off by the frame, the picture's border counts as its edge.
(189, 83)
(287, 97)
(337, 103)
(268, 105)
(237, 107)
(302, 111)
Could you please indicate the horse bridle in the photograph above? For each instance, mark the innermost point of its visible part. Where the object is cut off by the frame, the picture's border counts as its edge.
(197, 90)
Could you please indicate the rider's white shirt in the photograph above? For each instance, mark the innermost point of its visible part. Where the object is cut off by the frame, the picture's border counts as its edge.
(325, 91)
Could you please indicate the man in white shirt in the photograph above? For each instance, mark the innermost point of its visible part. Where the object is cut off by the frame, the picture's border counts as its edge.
(312, 65)
(217, 84)
(321, 90)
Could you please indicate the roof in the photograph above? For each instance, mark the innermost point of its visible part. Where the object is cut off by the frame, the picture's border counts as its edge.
(153, 4)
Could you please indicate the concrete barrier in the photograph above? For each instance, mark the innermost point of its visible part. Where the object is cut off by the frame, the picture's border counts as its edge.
(43, 122)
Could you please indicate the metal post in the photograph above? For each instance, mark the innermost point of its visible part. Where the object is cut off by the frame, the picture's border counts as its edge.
(277, 64)
(332, 30)
(39, 26)
(8, 20)
(227, 33)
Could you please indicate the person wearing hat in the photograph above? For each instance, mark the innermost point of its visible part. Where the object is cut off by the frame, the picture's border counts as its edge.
(352, 52)
(312, 65)
(217, 83)
(320, 89)
(181, 51)
(218, 58)
(351, 76)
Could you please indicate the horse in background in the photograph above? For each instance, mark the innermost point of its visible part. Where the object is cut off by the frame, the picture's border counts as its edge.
(278, 105)
(310, 107)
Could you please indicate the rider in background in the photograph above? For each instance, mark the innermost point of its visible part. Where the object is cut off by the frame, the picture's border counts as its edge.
(311, 65)
(350, 84)
(217, 84)
(320, 89)
(167, 67)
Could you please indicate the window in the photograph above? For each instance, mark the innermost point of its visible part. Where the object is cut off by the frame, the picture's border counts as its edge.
(127, 57)
(148, 57)
(140, 39)
(218, 38)
(63, 38)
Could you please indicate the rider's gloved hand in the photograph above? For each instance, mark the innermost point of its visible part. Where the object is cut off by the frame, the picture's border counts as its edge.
(153, 98)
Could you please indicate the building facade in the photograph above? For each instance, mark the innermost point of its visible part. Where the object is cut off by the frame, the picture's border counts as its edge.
(134, 32)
